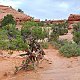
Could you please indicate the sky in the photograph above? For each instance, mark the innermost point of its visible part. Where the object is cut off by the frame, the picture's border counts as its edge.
(45, 9)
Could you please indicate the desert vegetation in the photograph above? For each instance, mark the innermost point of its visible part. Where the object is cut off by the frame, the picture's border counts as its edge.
(68, 48)
(31, 49)
(14, 39)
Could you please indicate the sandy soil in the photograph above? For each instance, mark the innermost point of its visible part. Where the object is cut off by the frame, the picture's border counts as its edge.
(53, 67)
(61, 68)
(8, 63)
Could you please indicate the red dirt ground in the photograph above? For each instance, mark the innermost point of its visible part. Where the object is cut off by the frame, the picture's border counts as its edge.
(53, 67)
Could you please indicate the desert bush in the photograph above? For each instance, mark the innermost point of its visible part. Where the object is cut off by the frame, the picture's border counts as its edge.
(4, 44)
(54, 36)
(39, 33)
(44, 45)
(76, 27)
(66, 31)
(17, 44)
(76, 33)
(36, 32)
(29, 24)
(70, 50)
(76, 37)
(9, 19)
(41, 23)
(61, 28)
(63, 31)
(58, 29)
(59, 43)
(56, 45)
(11, 38)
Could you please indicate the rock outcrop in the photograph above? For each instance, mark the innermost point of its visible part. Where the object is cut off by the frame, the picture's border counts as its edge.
(18, 16)
(73, 18)
(58, 21)
(54, 21)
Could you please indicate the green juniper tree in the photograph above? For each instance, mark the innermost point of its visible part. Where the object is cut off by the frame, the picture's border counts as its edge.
(8, 19)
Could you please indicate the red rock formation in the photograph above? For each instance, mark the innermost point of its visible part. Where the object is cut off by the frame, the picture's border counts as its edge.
(58, 21)
(54, 21)
(37, 20)
(73, 18)
(18, 16)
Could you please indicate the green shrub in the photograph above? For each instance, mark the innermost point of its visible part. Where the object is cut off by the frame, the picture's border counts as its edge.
(56, 45)
(44, 45)
(70, 50)
(76, 27)
(59, 43)
(58, 29)
(63, 31)
(39, 33)
(76, 33)
(30, 24)
(76, 37)
(54, 36)
(18, 44)
(66, 31)
(9, 19)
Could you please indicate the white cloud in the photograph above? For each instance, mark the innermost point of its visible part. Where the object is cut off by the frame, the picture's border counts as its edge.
(51, 9)
(64, 5)
(13, 3)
